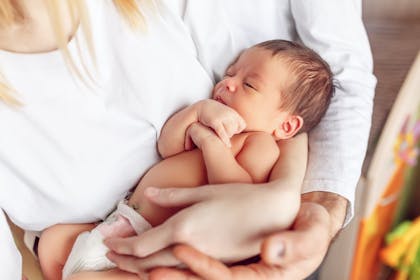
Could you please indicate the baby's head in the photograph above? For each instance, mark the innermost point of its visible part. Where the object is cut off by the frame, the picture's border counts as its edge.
(278, 87)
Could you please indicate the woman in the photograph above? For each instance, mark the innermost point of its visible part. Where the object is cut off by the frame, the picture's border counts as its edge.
(80, 140)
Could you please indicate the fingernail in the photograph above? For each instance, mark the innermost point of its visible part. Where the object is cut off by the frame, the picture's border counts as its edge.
(152, 191)
(277, 251)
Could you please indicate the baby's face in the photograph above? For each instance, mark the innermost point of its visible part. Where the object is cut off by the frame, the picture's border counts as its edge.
(252, 86)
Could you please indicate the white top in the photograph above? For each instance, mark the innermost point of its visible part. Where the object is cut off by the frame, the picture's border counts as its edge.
(72, 151)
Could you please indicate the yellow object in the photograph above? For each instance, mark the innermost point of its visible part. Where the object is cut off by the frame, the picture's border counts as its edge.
(393, 253)
(401, 253)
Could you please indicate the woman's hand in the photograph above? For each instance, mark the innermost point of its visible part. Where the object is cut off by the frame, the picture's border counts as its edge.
(292, 254)
(257, 212)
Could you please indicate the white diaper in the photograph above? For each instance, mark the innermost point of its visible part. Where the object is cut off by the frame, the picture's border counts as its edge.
(89, 252)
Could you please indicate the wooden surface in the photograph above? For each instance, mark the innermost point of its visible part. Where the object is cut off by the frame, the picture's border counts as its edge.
(392, 9)
(395, 45)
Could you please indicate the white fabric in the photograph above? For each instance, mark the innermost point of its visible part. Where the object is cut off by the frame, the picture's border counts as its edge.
(70, 154)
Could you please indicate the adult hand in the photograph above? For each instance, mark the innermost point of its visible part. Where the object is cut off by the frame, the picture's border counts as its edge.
(224, 120)
(292, 254)
(258, 212)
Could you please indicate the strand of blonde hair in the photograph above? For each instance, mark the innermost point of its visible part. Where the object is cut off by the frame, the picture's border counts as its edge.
(11, 13)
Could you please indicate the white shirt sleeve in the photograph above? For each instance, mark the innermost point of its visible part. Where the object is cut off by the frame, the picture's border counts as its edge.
(337, 146)
(10, 259)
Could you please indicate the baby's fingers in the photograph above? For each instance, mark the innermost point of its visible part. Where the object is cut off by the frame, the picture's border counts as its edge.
(222, 133)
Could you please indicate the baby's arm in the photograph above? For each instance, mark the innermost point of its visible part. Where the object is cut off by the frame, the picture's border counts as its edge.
(258, 156)
(223, 120)
(252, 164)
(172, 137)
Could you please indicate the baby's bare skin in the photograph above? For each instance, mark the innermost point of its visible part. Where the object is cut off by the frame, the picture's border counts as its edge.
(186, 169)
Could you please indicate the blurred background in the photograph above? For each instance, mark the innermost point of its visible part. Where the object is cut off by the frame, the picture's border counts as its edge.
(361, 251)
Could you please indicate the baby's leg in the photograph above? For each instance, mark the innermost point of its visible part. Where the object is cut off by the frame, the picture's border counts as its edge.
(184, 170)
(89, 253)
(113, 274)
(55, 245)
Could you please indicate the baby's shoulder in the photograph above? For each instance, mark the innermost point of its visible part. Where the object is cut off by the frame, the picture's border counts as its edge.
(260, 136)
(262, 141)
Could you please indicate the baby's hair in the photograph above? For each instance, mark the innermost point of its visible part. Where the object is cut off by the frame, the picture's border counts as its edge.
(311, 87)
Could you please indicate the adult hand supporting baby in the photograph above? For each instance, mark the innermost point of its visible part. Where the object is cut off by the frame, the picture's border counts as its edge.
(243, 213)
(292, 254)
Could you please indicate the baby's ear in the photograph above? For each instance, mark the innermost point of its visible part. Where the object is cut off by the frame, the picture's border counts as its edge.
(289, 127)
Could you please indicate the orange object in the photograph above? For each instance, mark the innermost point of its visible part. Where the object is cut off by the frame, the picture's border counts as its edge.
(373, 229)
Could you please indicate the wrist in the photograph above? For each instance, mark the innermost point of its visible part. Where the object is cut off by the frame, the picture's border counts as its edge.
(213, 144)
(335, 205)
(199, 107)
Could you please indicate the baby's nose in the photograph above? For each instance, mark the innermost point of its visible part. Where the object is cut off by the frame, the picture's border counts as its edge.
(231, 85)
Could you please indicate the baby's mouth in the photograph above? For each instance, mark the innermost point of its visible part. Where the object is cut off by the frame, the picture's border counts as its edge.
(219, 99)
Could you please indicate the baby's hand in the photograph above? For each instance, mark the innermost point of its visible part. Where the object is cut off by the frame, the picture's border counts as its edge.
(199, 135)
(224, 120)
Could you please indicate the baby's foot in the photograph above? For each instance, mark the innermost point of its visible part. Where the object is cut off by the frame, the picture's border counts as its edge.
(89, 252)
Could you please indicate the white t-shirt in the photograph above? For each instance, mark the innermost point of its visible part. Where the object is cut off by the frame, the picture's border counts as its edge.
(72, 151)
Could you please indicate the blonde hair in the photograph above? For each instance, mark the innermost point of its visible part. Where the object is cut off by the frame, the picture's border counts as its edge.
(11, 13)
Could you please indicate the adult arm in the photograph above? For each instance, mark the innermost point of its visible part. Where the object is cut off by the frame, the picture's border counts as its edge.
(10, 259)
(338, 144)
(292, 254)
